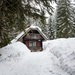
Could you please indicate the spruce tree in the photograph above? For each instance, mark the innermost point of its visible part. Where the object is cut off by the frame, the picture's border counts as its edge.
(64, 21)
(50, 29)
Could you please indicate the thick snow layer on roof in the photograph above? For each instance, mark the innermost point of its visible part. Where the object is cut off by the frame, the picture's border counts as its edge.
(58, 58)
(35, 27)
(39, 29)
(15, 40)
(20, 35)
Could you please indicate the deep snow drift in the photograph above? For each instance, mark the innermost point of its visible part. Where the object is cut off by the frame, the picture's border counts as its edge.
(57, 58)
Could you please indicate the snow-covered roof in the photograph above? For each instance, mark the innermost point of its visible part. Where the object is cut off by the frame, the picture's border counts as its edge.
(14, 40)
(27, 30)
(34, 27)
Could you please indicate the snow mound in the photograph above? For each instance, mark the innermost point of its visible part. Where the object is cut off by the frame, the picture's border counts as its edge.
(64, 51)
(58, 58)
(13, 50)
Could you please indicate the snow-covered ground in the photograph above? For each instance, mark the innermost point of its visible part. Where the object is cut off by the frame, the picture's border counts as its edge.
(57, 58)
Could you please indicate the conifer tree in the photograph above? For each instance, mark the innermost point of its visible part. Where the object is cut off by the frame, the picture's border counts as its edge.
(50, 29)
(64, 21)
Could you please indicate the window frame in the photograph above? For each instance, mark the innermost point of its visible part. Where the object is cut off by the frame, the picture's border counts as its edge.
(32, 43)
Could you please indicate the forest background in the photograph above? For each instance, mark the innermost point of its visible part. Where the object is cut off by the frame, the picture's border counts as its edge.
(55, 22)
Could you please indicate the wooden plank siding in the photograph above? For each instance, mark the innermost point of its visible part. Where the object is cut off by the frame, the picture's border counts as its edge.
(27, 43)
(38, 43)
(33, 36)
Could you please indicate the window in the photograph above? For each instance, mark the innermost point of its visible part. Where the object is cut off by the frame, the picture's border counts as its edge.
(32, 43)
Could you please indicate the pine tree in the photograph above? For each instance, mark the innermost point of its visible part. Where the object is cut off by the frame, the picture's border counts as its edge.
(64, 21)
(50, 29)
(73, 5)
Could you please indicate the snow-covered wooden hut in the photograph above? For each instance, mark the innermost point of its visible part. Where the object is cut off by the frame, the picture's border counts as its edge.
(32, 38)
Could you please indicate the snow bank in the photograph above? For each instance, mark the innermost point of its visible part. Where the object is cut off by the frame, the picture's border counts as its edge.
(11, 50)
(58, 58)
(64, 51)
(11, 57)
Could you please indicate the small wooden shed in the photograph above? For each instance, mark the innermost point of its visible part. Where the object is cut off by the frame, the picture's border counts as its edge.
(32, 38)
